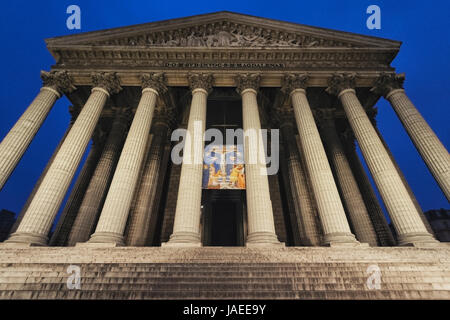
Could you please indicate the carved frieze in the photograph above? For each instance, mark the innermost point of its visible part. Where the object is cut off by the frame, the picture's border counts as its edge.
(234, 60)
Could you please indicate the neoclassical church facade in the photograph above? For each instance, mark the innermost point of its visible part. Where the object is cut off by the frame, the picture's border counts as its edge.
(131, 88)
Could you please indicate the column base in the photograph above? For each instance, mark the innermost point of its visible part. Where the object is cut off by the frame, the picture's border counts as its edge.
(105, 239)
(342, 239)
(183, 239)
(417, 239)
(262, 239)
(25, 239)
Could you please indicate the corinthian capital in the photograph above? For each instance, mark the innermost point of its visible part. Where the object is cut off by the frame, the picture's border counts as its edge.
(247, 81)
(341, 81)
(294, 81)
(201, 81)
(106, 80)
(155, 81)
(58, 80)
(387, 82)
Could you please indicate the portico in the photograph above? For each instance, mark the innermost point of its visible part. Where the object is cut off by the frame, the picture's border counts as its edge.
(134, 86)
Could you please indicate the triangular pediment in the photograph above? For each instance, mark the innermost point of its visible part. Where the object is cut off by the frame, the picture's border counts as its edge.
(219, 30)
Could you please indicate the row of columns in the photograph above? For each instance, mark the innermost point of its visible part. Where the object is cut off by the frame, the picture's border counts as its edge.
(404, 215)
(39, 215)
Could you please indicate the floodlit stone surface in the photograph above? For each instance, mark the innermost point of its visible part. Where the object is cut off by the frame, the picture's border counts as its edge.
(225, 272)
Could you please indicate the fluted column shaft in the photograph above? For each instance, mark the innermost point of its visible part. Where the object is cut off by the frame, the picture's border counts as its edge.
(186, 226)
(404, 215)
(141, 212)
(42, 210)
(113, 217)
(16, 142)
(331, 211)
(405, 182)
(427, 143)
(261, 227)
(38, 183)
(69, 213)
(352, 197)
(306, 218)
(376, 213)
(99, 183)
(20, 136)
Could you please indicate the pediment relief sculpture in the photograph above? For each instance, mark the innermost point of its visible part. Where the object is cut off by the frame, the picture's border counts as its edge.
(225, 34)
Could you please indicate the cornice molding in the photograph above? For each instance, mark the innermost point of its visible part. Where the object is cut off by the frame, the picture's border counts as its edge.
(212, 23)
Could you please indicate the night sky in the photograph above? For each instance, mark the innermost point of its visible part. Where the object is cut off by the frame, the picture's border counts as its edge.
(422, 26)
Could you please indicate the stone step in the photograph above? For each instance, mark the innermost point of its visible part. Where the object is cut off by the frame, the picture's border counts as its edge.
(219, 273)
(231, 273)
(268, 294)
(217, 282)
(241, 284)
(196, 277)
(181, 287)
(146, 267)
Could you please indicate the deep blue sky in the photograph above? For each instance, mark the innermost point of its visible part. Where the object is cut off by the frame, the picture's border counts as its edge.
(422, 26)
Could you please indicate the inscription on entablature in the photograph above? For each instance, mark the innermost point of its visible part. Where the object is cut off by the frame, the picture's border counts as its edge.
(224, 65)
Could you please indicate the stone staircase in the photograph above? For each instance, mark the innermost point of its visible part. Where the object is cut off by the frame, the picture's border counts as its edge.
(224, 273)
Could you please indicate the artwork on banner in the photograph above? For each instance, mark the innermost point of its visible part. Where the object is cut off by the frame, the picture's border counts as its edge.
(223, 167)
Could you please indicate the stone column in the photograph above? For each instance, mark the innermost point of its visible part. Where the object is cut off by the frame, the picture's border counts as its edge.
(427, 143)
(98, 186)
(261, 227)
(332, 215)
(376, 214)
(404, 215)
(141, 212)
(186, 226)
(293, 228)
(16, 142)
(351, 195)
(38, 183)
(38, 219)
(306, 218)
(69, 213)
(114, 215)
(405, 182)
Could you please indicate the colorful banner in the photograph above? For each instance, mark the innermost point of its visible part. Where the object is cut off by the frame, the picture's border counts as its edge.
(223, 167)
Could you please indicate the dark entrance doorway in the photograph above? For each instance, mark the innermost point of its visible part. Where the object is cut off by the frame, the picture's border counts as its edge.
(223, 210)
(223, 218)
